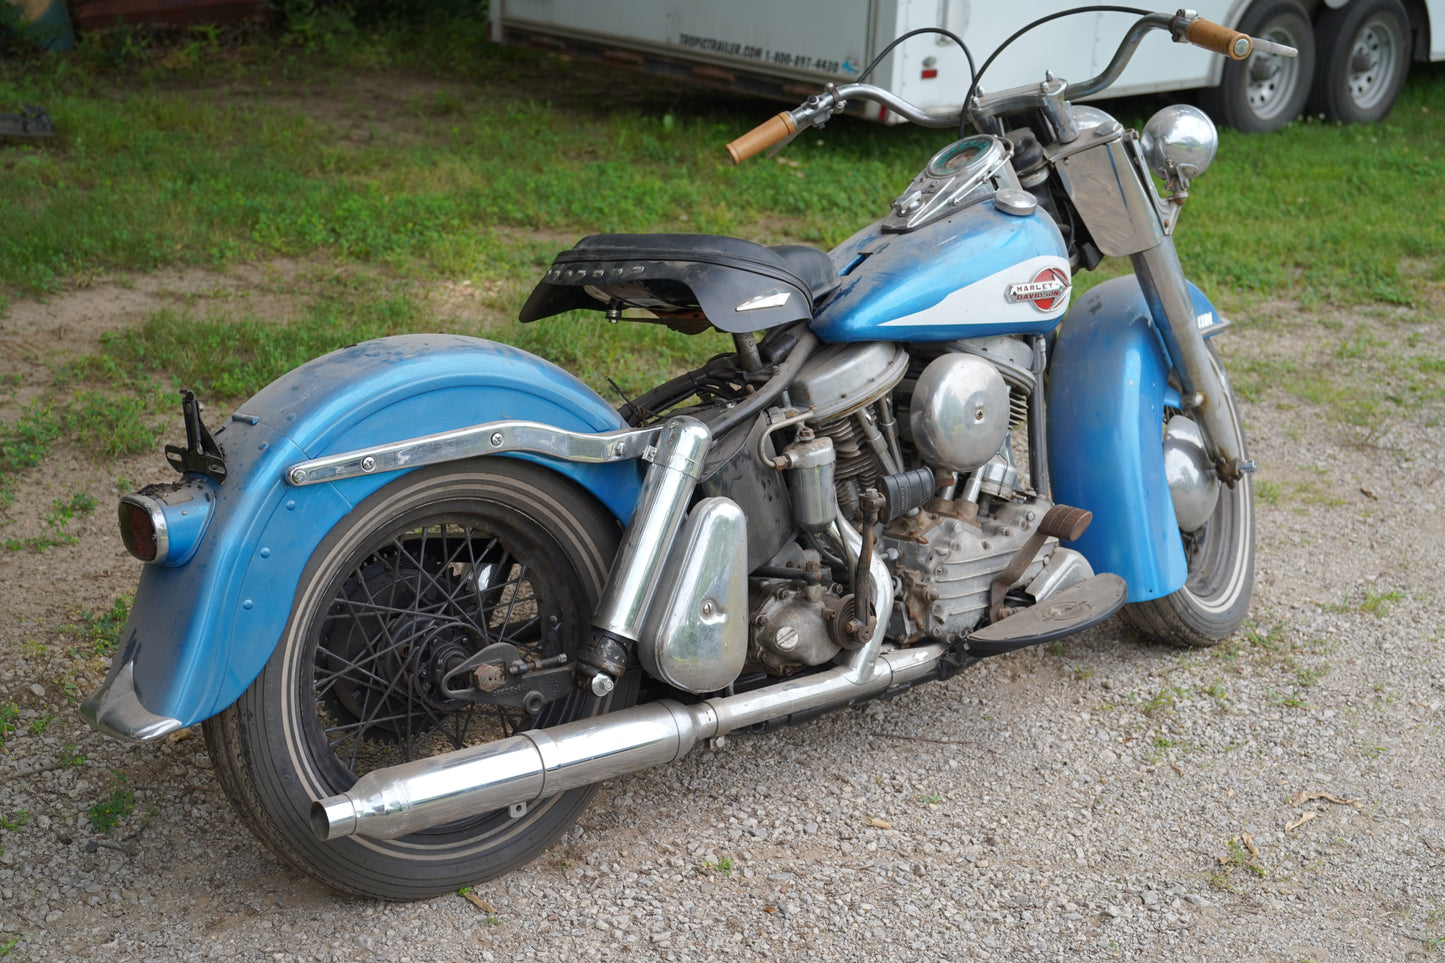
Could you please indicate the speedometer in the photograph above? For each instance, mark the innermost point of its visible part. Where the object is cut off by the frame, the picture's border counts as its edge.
(961, 157)
(963, 173)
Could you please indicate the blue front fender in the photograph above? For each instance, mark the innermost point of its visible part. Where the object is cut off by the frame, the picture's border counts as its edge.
(1108, 387)
(200, 633)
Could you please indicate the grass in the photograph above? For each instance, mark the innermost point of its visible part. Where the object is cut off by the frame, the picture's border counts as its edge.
(1374, 603)
(186, 347)
(164, 177)
(182, 346)
(1363, 382)
(102, 628)
(151, 174)
(1162, 701)
(202, 153)
(723, 866)
(1296, 195)
(1160, 745)
(57, 525)
(1240, 856)
(107, 813)
(1433, 936)
(106, 424)
(478, 172)
(9, 721)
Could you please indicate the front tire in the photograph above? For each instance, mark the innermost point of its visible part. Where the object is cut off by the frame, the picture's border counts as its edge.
(1364, 51)
(1264, 92)
(1214, 600)
(422, 574)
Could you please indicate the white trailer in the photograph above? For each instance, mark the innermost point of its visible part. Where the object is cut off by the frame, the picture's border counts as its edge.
(1354, 54)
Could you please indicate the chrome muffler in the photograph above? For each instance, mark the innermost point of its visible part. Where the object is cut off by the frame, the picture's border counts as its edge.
(413, 796)
(391, 802)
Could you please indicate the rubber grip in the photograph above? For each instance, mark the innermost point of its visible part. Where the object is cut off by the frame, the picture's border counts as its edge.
(1218, 38)
(761, 137)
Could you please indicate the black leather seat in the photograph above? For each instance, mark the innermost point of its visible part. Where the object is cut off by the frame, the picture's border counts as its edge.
(736, 285)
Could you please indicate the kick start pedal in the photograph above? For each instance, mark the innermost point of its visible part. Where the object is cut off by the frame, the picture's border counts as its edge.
(1072, 610)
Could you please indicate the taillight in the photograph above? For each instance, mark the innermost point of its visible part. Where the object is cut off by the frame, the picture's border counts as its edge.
(142, 527)
(164, 524)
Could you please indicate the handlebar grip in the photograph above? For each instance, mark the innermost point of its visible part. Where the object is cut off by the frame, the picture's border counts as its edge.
(1219, 38)
(763, 136)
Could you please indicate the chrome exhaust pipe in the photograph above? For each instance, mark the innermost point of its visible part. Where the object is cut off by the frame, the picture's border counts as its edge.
(529, 766)
(397, 800)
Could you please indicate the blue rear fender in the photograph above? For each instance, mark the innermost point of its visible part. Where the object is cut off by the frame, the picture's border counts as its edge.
(1107, 391)
(200, 633)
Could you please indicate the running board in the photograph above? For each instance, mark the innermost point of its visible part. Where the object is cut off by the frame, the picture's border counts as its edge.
(1074, 609)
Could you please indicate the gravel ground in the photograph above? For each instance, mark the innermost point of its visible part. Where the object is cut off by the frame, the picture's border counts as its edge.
(1276, 798)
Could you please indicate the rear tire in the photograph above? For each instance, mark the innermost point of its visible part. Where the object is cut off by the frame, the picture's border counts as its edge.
(1215, 597)
(425, 572)
(1364, 55)
(1264, 92)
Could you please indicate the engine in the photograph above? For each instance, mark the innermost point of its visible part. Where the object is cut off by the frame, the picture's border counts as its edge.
(939, 422)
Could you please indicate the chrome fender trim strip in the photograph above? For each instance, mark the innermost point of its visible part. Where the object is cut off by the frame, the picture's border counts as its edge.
(491, 438)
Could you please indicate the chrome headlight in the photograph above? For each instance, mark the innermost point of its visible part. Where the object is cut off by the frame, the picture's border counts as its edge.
(1179, 143)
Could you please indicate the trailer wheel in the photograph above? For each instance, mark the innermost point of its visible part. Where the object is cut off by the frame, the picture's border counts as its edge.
(1364, 54)
(1265, 91)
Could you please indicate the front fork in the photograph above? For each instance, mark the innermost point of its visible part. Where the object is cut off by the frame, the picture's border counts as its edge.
(637, 570)
(1161, 278)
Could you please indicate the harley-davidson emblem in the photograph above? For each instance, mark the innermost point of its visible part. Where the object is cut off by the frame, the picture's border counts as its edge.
(1048, 289)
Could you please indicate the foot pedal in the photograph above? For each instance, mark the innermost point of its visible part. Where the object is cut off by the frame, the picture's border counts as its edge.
(1064, 613)
(1061, 521)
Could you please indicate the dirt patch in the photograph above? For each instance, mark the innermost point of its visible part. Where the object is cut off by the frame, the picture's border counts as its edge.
(70, 324)
(379, 106)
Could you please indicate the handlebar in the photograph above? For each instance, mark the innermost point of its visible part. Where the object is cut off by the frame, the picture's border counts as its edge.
(1218, 38)
(772, 131)
(816, 110)
(1050, 96)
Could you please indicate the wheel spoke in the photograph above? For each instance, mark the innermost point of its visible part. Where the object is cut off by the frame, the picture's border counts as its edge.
(418, 578)
(421, 600)
(427, 583)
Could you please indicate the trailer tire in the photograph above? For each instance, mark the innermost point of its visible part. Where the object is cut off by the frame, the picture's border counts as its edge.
(1364, 55)
(1265, 92)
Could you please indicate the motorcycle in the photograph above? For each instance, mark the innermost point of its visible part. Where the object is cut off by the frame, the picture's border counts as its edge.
(415, 655)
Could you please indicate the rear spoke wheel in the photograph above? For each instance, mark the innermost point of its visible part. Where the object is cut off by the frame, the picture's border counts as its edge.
(421, 576)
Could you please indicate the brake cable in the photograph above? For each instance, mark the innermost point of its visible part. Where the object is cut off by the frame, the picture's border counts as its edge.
(973, 87)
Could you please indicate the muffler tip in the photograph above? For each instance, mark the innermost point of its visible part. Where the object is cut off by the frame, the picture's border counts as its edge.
(333, 818)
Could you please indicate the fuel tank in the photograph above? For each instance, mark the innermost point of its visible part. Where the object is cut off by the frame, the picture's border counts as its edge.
(978, 272)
